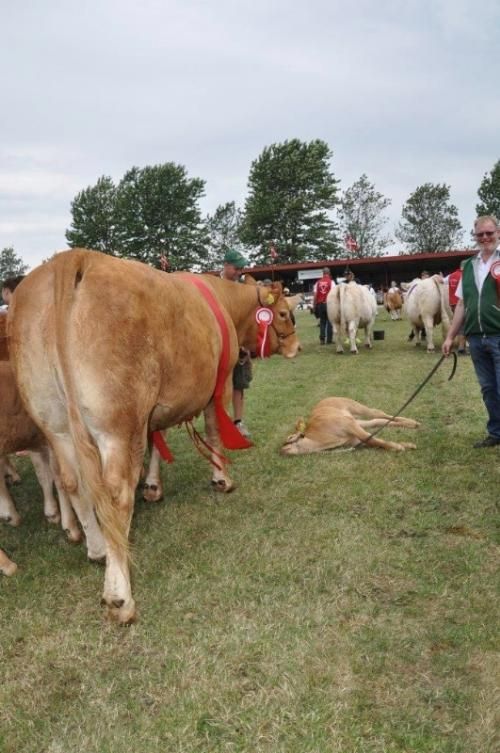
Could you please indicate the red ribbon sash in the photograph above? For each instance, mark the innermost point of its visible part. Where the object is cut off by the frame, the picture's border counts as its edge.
(230, 436)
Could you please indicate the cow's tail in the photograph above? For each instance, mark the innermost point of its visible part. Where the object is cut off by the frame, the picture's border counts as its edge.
(70, 272)
(446, 314)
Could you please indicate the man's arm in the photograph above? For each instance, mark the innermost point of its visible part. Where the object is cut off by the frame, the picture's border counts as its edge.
(458, 320)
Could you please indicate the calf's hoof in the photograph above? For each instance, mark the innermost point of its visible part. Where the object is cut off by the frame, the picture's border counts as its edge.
(152, 493)
(8, 568)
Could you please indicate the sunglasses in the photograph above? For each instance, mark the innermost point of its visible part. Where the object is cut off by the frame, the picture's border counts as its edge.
(486, 234)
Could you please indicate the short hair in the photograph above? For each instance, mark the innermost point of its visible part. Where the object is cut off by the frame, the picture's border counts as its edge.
(11, 283)
(485, 218)
(326, 270)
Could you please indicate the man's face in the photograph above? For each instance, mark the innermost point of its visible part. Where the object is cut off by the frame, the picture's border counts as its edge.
(231, 272)
(487, 236)
(6, 295)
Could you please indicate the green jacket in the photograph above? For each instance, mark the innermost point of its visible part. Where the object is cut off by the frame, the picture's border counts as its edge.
(482, 310)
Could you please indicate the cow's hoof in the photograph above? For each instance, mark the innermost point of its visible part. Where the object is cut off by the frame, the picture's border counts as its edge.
(431, 350)
(222, 486)
(74, 535)
(12, 520)
(122, 612)
(54, 519)
(97, 560)
(152, 493)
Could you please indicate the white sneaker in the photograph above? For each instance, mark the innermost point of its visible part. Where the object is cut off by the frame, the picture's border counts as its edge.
(242, 429)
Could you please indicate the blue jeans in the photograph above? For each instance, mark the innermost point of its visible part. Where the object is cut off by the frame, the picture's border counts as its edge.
(485, 354)
(325, 328)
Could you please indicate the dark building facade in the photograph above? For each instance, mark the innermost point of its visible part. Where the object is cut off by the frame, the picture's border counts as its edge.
(378, 271)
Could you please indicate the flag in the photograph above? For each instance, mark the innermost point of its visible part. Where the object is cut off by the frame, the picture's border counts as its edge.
(272, 252)
(164, 263)
(351, 244)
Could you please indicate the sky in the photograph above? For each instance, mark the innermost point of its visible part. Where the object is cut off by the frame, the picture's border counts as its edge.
(405, 92)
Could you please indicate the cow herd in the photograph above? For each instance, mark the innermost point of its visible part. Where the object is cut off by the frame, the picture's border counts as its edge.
(104, 351)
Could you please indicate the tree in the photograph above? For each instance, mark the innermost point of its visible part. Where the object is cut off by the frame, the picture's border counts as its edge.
(430, 223)
(157, 213)
(93, 213)
(291, 191)
(489, 193)
(11, 265)
(361, 217)
(223, 228)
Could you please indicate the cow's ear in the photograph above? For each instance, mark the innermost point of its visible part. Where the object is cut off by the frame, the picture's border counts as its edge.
(300, 425)
(277, 289)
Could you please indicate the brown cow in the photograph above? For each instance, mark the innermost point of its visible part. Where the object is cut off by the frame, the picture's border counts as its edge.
(4, 352)
(103, 347)
(19, 432)
(393, 303)
(341, 422)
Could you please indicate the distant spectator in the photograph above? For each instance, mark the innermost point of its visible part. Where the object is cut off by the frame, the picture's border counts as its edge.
(321, 290)
(8, 287)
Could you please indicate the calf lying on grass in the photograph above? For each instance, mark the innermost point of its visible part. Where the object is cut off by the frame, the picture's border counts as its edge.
(341, 422)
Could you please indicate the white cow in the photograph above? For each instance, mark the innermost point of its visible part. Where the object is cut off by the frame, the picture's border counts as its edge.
(350, 306)
(426, 306)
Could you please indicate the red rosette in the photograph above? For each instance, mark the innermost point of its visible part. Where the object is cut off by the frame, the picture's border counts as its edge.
(495, 270)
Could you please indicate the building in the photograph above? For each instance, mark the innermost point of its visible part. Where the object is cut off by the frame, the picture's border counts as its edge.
(378, 271)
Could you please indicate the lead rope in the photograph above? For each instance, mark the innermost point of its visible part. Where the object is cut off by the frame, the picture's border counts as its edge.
(414, 395)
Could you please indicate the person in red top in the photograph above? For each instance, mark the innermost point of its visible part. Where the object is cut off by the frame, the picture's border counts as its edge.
(453, 281)
(321, 290)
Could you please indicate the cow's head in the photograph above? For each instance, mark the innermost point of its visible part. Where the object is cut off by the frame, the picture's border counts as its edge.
(274, 329)
(298, 443)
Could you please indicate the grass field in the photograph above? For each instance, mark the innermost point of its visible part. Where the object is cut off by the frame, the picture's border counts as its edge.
(339, 602)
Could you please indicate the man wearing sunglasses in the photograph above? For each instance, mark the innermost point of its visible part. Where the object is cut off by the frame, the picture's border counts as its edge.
(478, 309)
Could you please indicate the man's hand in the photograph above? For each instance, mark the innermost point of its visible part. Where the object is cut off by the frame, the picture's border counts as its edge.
(447, 346)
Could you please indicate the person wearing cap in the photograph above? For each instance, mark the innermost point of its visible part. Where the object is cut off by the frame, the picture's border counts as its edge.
(321, 290)
(478, 310)
(234, 262)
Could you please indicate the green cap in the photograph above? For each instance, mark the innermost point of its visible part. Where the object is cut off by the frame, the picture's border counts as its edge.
(235, 258)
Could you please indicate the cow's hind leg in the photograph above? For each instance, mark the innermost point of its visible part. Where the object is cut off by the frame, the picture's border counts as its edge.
(153, 488)
(8, 512)
(121, 466)
(10, 472)
(43, 473)
(68, 478)
(362, 437)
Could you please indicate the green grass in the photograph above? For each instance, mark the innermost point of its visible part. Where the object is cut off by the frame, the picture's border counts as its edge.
(339, 602)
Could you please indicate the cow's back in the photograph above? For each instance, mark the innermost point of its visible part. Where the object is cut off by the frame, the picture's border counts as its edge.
(128, 336)
(424, 299)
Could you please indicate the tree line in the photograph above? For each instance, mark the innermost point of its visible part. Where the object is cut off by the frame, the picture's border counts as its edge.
(294, 206)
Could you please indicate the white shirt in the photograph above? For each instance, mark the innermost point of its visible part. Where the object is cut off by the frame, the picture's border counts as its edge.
(481, 269)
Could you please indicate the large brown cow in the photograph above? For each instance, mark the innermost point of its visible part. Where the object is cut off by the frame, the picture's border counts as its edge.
(104, 347)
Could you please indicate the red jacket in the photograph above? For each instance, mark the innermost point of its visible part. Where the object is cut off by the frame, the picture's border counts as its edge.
(323, 287)
(453, 281)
